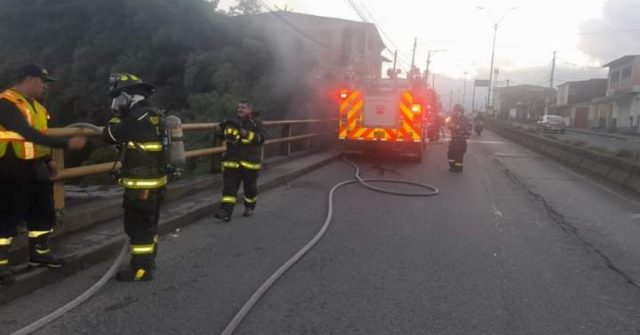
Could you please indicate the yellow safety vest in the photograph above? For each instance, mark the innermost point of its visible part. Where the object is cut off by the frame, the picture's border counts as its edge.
(37, 117)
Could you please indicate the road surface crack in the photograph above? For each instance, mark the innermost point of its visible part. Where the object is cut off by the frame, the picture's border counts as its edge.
(568, 227)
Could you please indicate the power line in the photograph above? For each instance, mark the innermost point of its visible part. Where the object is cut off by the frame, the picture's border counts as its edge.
(386, 36)
(292, 26)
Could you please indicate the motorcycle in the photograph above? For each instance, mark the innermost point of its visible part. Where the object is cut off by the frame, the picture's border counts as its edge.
(478, 128)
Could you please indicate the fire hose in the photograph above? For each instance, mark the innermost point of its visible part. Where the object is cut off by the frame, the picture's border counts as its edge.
(255, 297)
(235, 322)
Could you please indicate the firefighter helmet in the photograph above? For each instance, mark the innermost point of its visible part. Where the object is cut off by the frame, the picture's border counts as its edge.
(458, 109)
(129, 83)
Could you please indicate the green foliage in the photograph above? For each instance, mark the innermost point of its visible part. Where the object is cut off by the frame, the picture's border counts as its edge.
(245, 7)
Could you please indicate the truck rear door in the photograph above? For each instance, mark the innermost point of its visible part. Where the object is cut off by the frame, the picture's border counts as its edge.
(380, 112)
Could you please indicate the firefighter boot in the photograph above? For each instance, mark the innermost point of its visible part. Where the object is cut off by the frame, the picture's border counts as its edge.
(457, 167)
(452, 165)
(223, 215)
(248, 212)
(140, 269)
(6, 277)
(40, 253)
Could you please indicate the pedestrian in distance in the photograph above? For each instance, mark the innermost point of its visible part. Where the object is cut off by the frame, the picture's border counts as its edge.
(241, 163)
(26, 169)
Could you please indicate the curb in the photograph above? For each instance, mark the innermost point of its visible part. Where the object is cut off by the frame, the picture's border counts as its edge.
(595, 133)
(623, 174)
(27, 282)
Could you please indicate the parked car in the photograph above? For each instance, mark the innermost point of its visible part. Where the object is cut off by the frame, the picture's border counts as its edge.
(551, 123)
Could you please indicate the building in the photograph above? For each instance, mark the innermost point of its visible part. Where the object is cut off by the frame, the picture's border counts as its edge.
(620, 108)
(523, 102)
(574, 101)
(338, 46)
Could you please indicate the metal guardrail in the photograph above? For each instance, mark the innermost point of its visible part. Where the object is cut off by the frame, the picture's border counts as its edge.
(286, 139)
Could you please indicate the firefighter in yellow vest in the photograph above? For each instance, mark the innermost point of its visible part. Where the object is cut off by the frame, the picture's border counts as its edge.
(26, 168)
(136, 130)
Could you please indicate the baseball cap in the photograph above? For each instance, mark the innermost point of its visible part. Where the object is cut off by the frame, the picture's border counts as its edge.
(34, 70)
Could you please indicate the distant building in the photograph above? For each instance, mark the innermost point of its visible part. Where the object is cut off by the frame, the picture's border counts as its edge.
(522, 102)
(574, 101)
(339, 46)
(620, 108)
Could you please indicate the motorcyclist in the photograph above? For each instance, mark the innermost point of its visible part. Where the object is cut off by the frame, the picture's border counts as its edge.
(459, 126)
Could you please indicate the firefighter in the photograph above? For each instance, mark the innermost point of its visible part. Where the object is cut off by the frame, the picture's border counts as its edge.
(241, 163)
(136, 130)
(26, 168)
(459, 126)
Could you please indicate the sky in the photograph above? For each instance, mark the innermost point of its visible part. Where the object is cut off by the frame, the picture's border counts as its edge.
(584, 33)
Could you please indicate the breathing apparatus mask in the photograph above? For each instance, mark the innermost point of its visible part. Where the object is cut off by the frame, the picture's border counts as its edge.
(124, 102)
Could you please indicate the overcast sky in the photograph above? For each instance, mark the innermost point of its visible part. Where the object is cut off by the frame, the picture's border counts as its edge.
(585, 33)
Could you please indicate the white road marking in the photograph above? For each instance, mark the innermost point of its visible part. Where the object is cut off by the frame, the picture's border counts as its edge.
(485, 142)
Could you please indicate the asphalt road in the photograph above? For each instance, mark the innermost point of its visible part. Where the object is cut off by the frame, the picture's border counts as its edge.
(514, 245)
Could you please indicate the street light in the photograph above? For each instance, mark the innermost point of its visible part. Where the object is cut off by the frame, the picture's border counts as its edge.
(496, 24)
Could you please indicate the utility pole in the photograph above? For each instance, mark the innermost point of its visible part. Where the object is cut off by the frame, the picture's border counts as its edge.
(473, 98)
(508, 82)
(493, 48)
(553, 69)
(426, 71)
(553, 72)
(464, 91)
(429, 54)
(493, 55)
(395, 61)
(413, 56)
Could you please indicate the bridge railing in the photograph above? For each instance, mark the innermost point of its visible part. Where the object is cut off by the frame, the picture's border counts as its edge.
(289, 135)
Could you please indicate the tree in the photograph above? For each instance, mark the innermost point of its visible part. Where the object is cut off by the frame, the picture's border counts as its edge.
(246, 7)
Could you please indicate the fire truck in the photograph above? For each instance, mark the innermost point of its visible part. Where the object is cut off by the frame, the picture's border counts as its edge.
(392, 113)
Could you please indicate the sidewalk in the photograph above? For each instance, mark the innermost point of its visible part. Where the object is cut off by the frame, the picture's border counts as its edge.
(614, 144)
(102, 241)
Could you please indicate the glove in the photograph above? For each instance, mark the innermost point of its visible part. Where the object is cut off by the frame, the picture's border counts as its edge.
(232, 134)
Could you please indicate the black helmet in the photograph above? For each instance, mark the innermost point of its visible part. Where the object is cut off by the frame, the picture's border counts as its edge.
(130, 83)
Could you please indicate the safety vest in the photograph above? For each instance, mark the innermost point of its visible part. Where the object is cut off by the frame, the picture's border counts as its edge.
(36, 116)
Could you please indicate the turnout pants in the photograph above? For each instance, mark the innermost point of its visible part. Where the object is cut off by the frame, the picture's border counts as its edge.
(233, 177)
(457, 149)
(141, 216)
(29, 201)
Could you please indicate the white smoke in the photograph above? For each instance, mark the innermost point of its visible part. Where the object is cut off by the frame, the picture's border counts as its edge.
(615, 34)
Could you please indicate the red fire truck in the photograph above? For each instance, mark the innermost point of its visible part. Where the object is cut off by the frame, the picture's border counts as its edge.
(391, 113)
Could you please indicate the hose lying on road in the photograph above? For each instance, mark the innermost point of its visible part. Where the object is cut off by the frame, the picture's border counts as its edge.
(77, 301)
(246, 308)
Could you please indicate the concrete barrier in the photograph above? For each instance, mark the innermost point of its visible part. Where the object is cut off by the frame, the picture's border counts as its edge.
(620, 172)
